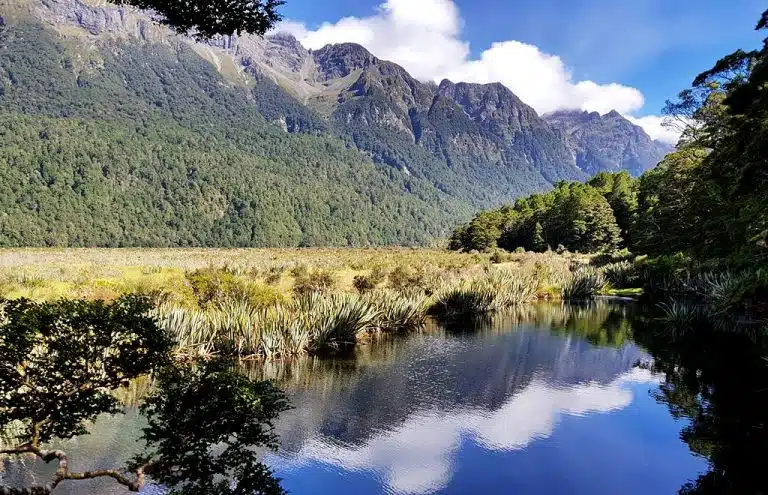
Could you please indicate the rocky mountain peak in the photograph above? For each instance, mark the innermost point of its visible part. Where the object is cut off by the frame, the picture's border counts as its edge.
(287, 45)
(483, 102)
(607, 142)
(340, 60)
(100, 20)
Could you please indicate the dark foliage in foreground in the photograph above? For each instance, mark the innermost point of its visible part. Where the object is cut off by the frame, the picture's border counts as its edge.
(62, 360)
(209, 18)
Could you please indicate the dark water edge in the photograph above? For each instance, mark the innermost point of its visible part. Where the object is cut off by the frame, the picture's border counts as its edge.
(551, 399)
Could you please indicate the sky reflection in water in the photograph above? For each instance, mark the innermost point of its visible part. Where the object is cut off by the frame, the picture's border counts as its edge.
(520, 409)
(550, 401)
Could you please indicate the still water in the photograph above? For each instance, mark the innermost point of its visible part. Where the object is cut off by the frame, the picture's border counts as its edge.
(555, 399)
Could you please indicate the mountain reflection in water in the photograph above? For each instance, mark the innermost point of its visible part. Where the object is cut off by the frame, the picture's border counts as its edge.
(548, 400)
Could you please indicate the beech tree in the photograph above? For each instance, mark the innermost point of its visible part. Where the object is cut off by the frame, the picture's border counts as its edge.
(62, 360)
(206, 19)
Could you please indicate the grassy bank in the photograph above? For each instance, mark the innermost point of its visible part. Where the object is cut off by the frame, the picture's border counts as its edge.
(285, 302)
(48, 274)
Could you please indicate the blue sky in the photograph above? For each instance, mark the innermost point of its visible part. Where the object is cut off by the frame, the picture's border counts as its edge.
(590, 54)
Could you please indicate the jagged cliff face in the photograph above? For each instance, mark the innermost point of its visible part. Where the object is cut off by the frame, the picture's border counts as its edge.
(607, 143)
(473, 141)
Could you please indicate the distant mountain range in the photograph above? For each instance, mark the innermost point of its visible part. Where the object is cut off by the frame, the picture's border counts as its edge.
(607, 143)
(248, 141)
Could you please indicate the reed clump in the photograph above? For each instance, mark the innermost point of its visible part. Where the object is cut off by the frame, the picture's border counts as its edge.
(586, 283)
(312, 323)
(498, 290)
(621, 274)
(399, 312)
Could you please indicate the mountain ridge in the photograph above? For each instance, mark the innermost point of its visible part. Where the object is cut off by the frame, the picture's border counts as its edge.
(592, 139)
(432, 154)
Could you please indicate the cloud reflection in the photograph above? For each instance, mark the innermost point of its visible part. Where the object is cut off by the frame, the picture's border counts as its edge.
(416, 457)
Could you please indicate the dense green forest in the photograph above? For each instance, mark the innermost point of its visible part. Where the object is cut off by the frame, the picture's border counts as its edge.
(591, 217)
(148, 145)
(706, 201)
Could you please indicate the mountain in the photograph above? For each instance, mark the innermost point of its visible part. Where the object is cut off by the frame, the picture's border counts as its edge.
(115, 131)
(607, 143)
(474, 140)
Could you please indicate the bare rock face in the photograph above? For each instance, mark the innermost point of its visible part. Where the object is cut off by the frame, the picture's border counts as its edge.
(607, 143)
(112, 20)
(520, 135)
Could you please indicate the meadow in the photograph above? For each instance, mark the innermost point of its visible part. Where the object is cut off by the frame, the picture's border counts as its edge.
(285, 302)
(105, 274)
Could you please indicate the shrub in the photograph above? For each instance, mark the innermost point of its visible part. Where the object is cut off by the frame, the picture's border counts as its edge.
(367, 283)
(520, 250)
(274, 274)
(586, 283)
(211, 285)
(300, 271)
(363, 284)
(498, 256)
(404, 279)
(318, 280)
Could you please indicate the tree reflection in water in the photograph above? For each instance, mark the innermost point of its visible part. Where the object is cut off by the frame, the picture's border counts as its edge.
(718, 380)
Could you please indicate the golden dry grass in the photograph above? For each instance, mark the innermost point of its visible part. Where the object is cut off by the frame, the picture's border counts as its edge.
(46, 274)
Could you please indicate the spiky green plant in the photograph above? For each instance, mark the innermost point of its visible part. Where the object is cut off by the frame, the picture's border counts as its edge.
(191, 329)
(621, 275)
(238, 327)
(678, 315)
(285, 331)
(586, 283)
(510, 289)
(464, 299)
(336, 321)
(398, 312)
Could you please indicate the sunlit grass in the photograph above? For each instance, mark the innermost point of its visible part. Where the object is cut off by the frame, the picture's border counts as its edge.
(285, 302)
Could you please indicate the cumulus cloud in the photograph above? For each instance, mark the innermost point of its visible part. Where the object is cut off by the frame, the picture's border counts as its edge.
(424, 36)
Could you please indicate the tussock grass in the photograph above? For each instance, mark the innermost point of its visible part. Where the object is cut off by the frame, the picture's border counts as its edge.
(335, 321)
(462, 300)
(586, 283)
(313, 323)
(498, 290)
(399, 312)
(621, 275)
(282, 302)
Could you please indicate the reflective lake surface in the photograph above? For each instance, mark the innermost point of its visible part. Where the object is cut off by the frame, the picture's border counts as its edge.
(555, 399)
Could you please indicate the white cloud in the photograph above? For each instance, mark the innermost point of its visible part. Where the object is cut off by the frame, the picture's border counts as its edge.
(424, 36)
(543, 81)
(417, 456)
(653, 125)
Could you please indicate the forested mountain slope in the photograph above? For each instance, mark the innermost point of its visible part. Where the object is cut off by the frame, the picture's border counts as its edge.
(146, 144)
(116, 132)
